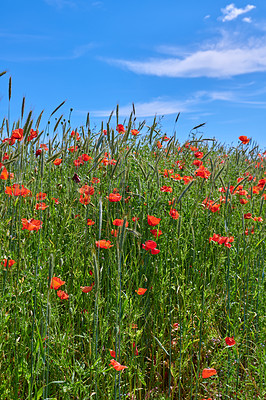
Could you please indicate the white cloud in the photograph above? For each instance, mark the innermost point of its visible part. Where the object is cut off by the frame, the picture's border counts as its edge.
(222, 60)
(148, 109)
(231, 12)
(247, 19)
(166, 106)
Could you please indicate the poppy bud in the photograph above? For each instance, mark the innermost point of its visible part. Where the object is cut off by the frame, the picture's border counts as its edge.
(76, 178)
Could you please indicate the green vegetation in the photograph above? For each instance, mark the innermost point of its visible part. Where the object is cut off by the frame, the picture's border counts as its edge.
(56, 342)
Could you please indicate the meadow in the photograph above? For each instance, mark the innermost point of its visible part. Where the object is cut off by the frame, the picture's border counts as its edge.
(132, 265)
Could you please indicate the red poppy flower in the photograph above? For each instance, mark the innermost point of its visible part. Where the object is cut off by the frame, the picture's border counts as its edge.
(41, 196)
(135, 219)
(17, 134)
(5, 157)
(120, 128)
(230, 341)
(112, 353)
(117, 366)
(44, 147)
(55, 200)
(153, 221)
(114, 197)
(136, 352)
(8, 263)
(244, 139)
(141, 291)
(166, 189)
(119, 222)
(56, 283)
(84, 200)
(198, 163)
(86, 157)
(114, 232)
(57, 161)
(156, 232)
(243, 201)
(90, 222)
(104, 244)
(41, 206)
(207, 372)
(78, 162)
(159, 144)
(4, 174)
(174, 213)
(38, 152)
(198, 154)
(72, 149)
(63, 295)
(259, 219)
(134, 132)
(33, 135)
(15, 190)
(202, 172)
(31, 224)
(75, 135)
(248, 216)
(87, 289)
(175, 326)
(155, 251)
(149, 244)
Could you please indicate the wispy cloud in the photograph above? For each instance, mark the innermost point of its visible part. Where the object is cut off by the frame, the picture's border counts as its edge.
(222, 60)
(78, 52)
(149, 109)
(196, 102)
(231, 12)
(165, 106)
(60, 3)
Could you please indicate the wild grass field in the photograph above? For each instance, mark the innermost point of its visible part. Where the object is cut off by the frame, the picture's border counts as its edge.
(132, 265)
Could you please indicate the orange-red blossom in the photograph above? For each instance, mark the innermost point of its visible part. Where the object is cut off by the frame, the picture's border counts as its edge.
(31, 224)
(117, 366)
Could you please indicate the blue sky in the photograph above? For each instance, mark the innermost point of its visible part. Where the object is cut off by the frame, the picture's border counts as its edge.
(206, 60)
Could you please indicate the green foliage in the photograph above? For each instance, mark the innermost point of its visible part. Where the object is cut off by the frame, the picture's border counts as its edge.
(198, 291)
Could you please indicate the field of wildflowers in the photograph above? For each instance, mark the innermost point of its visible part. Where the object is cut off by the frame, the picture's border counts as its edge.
(132, 265)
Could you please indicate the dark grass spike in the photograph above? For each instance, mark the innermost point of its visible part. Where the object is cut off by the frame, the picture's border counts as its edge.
(7, 127)
(9, 88)
(182, 194)
(57, 108)
(152, 129)
(58, 122)
(110, 117)
(117, 114)
(27, 123)
(218, 174)
(22, 108)
(198, 126)
(88, 121)
(39, 120)
(3, 73)
(54, 156)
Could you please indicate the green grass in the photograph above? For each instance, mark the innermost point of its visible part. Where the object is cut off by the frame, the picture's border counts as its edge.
(59, 349)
